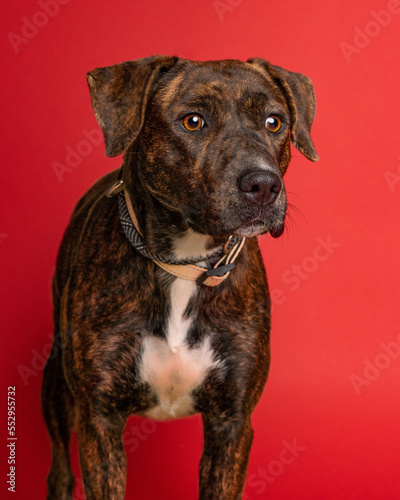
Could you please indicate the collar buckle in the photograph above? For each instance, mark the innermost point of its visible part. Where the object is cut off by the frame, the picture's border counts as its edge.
(215, 271)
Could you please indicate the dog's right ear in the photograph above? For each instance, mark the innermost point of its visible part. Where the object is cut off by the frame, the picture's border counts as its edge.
(119, 96)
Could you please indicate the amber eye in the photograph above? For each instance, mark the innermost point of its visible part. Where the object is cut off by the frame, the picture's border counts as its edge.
(273, 123)
(193, 122)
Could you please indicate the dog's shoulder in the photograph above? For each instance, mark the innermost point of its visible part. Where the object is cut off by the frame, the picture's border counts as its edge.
(91, 205)
(93, 194)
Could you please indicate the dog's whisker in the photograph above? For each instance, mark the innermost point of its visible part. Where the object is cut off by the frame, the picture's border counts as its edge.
(297, 211)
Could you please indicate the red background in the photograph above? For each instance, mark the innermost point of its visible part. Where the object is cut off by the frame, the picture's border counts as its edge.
(325, 325)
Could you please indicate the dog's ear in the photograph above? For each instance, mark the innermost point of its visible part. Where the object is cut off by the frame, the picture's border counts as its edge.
(119, 95)
(299, 94)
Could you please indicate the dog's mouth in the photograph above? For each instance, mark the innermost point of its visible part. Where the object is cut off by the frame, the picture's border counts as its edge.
(241, 224)
(275, 228)
(255, 221)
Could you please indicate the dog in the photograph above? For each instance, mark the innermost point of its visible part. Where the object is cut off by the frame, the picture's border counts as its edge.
(161, 303)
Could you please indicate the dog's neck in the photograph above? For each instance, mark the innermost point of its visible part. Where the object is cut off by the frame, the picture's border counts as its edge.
(164, 230)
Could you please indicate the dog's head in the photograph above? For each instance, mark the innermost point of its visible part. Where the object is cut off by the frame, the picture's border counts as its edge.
(212, 139)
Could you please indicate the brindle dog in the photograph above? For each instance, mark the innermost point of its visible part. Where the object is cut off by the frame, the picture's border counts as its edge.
(205, 148)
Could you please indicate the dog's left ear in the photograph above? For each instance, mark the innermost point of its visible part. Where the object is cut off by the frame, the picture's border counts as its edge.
(119, 96)
(299, 94)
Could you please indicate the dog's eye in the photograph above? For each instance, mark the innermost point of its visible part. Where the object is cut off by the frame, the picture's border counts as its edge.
(273, 123)
(193, 122)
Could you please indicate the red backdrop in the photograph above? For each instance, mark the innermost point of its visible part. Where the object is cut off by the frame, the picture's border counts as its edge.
(327, 425)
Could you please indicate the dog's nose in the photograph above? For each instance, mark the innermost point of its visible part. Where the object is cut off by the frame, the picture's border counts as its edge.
(261, 187)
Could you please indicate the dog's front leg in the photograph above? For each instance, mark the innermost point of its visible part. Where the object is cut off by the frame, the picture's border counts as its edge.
(223, 466)
(102, 457)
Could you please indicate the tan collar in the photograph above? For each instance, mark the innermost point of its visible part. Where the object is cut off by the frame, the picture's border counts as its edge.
(209, 277)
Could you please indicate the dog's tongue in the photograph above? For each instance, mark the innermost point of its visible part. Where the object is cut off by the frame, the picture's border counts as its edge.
(275, 233)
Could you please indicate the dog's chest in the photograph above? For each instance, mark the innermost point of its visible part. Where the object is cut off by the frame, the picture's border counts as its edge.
(169, 366)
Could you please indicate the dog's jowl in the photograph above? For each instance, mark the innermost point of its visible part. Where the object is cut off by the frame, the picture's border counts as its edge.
(161, 303)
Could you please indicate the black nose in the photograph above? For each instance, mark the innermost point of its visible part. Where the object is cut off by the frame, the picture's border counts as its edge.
(260, 187)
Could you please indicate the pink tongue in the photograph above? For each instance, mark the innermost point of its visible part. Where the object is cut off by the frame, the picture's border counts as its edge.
(275, 233)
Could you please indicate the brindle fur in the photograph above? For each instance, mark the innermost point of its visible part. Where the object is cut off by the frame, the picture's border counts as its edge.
(108, 298)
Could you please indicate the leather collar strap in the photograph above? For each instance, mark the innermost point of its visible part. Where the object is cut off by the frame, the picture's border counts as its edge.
(187, 270)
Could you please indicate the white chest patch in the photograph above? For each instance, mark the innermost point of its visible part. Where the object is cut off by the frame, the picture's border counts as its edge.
(177, 327)
(169, 366)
